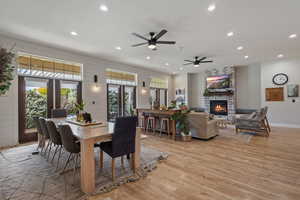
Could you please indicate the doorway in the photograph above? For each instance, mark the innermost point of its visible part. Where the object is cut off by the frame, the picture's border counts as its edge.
(121, 101)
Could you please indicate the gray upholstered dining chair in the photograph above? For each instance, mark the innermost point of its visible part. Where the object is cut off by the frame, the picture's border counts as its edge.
(55, 139)
(58, 113)
(123, 141)
(46, 134)
(41, 135)
(70, 144)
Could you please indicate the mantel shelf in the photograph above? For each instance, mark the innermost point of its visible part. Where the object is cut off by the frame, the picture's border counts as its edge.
(229, 93)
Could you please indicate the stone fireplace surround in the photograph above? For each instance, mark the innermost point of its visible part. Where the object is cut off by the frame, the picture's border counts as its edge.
(230, 98)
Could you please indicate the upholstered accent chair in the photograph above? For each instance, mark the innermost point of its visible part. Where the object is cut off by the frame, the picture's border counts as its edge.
(201, 126)
(257, 122)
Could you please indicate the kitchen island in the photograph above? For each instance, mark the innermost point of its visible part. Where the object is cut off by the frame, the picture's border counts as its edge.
(157, 114)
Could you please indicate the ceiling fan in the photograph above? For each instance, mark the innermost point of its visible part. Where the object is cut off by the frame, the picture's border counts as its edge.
(153, 41)
(197, 61)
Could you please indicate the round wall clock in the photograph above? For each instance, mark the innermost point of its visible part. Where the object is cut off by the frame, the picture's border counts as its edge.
(280, 79)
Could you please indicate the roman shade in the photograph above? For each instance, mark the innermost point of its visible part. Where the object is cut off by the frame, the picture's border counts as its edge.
(118, 77)
(158, 83)
(50, 68)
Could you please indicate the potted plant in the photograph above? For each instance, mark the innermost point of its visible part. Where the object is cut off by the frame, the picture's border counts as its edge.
(182, 123)
(6, 70)
(78, 108)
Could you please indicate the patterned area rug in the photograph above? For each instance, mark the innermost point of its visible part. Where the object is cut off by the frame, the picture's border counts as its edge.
(26, 176)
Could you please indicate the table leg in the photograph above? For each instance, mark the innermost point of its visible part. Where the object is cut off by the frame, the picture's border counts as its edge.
(87, 170)
(173, 124)
(137, 154)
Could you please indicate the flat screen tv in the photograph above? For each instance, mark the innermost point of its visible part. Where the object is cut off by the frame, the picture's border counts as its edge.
(218, 82)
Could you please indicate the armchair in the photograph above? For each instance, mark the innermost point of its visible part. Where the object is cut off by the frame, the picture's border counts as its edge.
(256, 122)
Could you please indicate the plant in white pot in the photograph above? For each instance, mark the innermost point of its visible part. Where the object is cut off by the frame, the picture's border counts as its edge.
(182, 123)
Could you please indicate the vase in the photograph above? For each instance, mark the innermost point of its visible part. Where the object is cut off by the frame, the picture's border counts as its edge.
(79, 117)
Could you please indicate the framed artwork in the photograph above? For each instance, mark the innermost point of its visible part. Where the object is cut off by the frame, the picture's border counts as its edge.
(293, 90)
(274, 94)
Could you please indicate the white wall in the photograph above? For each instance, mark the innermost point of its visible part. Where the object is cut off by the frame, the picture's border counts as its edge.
(198, 84)
(181, 82)
(285, 113)
(248, 86)
(91, 66)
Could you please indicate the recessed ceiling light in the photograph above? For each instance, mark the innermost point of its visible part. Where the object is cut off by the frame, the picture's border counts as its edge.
(211, 7)
(229, 34)
(293, 36)
(148, 57)
(167, 64)
(73, 33)
(181, 68)
(280, 56)
(246, 57)
(240, 48)
(103, 8)
(118, 48)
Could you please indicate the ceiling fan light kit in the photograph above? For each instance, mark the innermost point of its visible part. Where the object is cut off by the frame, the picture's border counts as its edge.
(154, 40)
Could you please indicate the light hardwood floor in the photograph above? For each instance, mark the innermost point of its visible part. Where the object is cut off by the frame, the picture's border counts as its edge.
(228, 167)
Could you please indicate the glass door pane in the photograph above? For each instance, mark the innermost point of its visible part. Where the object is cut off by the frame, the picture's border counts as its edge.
(68, 95)
(129, 100)
(162, 96)
(113, 102)
(36, 91)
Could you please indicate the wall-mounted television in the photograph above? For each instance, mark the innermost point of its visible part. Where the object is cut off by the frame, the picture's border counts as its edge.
(218, 82)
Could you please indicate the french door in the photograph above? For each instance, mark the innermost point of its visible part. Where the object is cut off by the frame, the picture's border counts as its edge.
(121, 101)
(159, 95)
(36, 99)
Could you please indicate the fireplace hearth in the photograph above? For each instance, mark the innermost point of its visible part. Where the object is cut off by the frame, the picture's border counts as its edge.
(218, 107)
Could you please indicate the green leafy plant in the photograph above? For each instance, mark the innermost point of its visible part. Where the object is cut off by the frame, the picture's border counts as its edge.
(6, 70)
(77, 108)
(181, 118)
(36, 106)
(206, 92)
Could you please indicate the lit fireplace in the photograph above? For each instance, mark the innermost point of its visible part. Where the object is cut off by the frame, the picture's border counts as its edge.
(218, 107)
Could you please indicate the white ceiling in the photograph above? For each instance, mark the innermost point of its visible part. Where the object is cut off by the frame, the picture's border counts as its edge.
(262, 27)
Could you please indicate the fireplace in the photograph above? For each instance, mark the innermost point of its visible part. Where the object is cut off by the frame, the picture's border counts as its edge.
(218, 107)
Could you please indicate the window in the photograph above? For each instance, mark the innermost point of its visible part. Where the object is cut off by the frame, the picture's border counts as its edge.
(121, 94)
(159, 91)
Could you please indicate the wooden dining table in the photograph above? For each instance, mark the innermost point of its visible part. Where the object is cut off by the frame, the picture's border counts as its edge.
(88, 136)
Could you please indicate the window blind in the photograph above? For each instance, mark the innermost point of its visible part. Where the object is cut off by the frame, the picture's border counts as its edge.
(158, 83)
(118, 77)
(50, 68)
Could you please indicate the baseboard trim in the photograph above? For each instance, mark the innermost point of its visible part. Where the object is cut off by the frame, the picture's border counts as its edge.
(285, 125)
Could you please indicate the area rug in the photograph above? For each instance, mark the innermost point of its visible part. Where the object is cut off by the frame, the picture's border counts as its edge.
(26, 176)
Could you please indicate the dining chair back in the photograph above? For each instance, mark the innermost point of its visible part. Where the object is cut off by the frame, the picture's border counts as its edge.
(123, 138)
(53, 133)
(44, 127)
(69, 141)
(58, 113)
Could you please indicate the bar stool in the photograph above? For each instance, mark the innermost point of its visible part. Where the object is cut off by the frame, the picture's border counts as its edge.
(151, 123)
(142, 121)
(165, 123)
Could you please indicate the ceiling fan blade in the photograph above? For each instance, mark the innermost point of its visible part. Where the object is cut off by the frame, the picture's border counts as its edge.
(187, 63)
(209, 61)
(165, 42)
(140, 44)
(160, 34)
(203, 58)
(140, 36)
